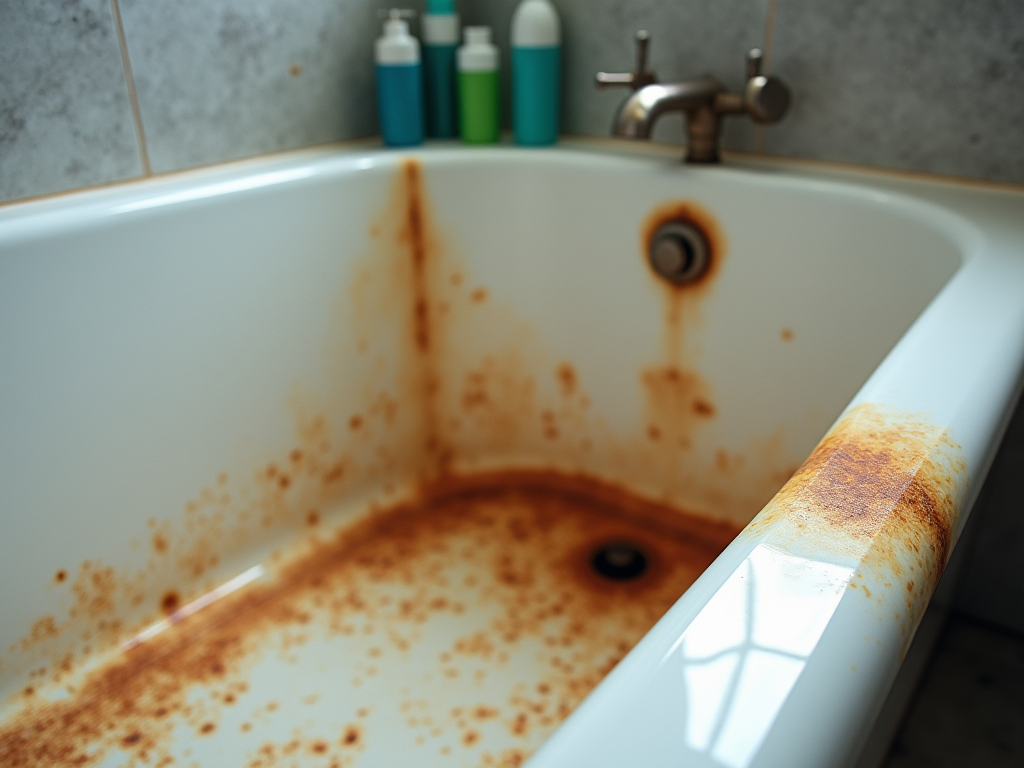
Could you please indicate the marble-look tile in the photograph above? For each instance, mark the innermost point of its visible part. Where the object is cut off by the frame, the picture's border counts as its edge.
(993, 583)
(933, 87)
(65, 120)
(223, 79)
(969, 710)
(687, 39)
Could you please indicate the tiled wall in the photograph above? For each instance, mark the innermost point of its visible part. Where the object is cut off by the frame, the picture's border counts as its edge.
(935, 86)
(931, 86)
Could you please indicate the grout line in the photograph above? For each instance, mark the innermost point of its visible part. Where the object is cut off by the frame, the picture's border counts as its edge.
(766, 48)
(133, 97)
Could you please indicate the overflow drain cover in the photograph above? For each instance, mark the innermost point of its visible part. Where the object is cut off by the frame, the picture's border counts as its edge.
(619, 560)
(679, 252)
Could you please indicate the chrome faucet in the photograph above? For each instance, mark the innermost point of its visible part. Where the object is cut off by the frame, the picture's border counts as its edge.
(703, 102)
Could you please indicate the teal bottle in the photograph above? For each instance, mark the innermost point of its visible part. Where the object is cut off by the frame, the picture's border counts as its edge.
(536, 52)
(440, 41)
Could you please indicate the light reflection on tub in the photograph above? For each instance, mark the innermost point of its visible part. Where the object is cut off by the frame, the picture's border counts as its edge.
(745, 650)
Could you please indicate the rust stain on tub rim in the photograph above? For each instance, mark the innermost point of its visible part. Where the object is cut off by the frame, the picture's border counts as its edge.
(883, 489)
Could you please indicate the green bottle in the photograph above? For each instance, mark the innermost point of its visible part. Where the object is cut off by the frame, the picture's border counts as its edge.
(479, 88)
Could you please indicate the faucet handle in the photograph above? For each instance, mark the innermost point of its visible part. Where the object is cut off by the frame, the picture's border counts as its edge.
(635, 80)
(755, 59)
(766, 99)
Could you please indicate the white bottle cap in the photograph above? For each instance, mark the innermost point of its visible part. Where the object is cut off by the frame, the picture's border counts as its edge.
(397, 46)
(478, 54)
(535, 25)
(441, 28)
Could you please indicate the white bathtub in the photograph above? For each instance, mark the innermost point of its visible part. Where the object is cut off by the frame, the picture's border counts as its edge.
(205, 375)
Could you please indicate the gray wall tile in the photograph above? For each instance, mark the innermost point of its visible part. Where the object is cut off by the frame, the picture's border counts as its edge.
(935, 86)
(687, 39)
(223, 79)
(65, 120)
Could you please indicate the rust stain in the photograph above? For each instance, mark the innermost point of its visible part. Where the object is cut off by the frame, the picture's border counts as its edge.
(883, 488)
(567, 379)
(417, 235)
(526, 539)
(786, 334)
(170, 602)
(680, 297)
(446, 389)
(678, 399)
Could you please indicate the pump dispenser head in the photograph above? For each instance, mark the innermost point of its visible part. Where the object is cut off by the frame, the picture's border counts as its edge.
(396, 24)
(397, 46)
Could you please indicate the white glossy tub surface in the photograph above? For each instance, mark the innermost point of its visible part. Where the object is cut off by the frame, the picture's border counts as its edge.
(167, 343)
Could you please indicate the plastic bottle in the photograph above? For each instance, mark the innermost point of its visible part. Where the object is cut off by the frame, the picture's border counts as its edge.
(536, 47)
(399, 83)
(478, 87)
(440, 39)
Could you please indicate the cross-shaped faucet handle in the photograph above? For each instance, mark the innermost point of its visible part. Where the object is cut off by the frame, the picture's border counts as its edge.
(637, 79)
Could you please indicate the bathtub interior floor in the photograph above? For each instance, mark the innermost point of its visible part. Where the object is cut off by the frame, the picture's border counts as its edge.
(458, 630)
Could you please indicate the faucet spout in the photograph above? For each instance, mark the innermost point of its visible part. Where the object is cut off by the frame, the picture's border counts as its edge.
(695, 98)
(703, 102)
(639, 112)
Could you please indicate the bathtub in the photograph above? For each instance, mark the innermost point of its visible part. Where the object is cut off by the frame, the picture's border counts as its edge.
(210, 377)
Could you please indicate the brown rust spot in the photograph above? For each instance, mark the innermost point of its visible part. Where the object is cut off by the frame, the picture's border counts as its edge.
(567, 379)
(61, 576)
(352, 736)
(676, 400)
(786, 334)
(478, 296)
(170, 602)
(43, 628)
(132, 738)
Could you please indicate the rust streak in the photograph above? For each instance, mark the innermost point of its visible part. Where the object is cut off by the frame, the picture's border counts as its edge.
(677, 397)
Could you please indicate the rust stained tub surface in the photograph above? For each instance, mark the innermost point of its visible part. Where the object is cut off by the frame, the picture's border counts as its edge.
(473, 587)
(468, 621)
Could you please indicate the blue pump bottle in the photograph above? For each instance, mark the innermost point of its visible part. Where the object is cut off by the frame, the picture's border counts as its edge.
(399, 83)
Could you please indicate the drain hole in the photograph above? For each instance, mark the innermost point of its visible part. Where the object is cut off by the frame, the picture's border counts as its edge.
(619, 561)
(679, 252)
